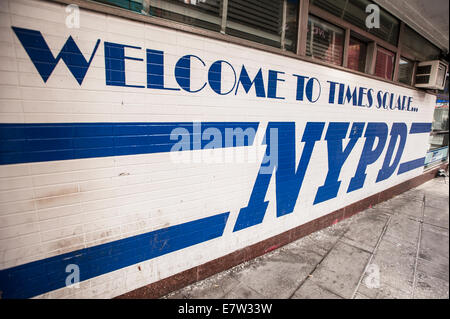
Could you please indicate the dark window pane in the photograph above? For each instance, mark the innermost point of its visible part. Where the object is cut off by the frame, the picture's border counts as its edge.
(204, 14)
(336, 7)
(424, 69)
(262, 21)
(384, 64)
(354, 12)
(324, 41)
(291, 25)
(422, 79)
(357, 51)
(405, 71)
(440, 120)
(417, 46)
(440, 127)
(133, 5)
(270, 22)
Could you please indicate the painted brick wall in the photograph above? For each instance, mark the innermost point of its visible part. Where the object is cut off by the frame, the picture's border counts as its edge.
(85, 172)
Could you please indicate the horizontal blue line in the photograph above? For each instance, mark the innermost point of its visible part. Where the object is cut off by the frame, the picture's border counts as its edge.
(38, 277)
(27, 143)
(417, 128)
(409, 166)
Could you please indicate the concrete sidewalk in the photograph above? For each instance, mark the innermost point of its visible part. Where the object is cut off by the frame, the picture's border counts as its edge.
(397, 249)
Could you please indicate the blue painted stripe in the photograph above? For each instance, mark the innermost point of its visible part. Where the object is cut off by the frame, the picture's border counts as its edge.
(417, 128)
(27, 143)
(48, 274)
(409, 166)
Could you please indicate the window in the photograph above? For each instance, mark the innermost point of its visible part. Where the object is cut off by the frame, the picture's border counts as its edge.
(417, 46)
(263, 21)
(133, 5)
(405, 71)
(384, 64)
(354, 12)
(275, 23)
(205, 14)
(438, 140)
(269, 22)
(291, 25)
(440, 118)
(438, 148)
(259, 21)
(357, 51)
(324, 41)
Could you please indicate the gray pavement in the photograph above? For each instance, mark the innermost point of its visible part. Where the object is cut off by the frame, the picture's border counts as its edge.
(396, 249)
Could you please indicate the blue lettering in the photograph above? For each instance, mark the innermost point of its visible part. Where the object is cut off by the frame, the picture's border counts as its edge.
(183, 73)
(332, 91)
(155, 70)
(336, 157)
(300, 86)
(115, 64)
(369, 155)
(379, 99)
(258, 81)
(409, 103)
(309, 89)
(370, 97)
(351, 96)
(43, 59)
(215, 77)
(272, 84)
(399, 130)
(288, 181)
(361, 95)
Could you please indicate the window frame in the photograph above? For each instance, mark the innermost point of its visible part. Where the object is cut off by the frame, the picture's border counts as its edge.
(402, 57)
(374, 40)
(356, 39)
(344, 33)
(304, 9)
(387, 53)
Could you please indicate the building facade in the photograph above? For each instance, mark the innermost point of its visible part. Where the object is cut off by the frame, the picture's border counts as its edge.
(145, 145)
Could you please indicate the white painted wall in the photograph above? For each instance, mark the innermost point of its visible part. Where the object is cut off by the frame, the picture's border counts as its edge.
(50, 208)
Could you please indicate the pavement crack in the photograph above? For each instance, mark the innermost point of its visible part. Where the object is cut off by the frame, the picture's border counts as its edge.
(419, 239)
(355, 246)
(317, 265)
(372, 254)
(434, 225)
(329, 291)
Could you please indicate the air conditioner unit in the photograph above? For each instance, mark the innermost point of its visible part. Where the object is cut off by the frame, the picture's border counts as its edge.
(431, 74)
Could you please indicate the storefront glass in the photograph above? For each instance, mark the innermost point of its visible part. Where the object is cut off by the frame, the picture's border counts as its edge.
(324, 41)
(438, 149)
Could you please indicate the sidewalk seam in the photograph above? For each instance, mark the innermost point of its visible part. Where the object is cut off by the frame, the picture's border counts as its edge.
(317, 265)
(383, 231)
(419, 239)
